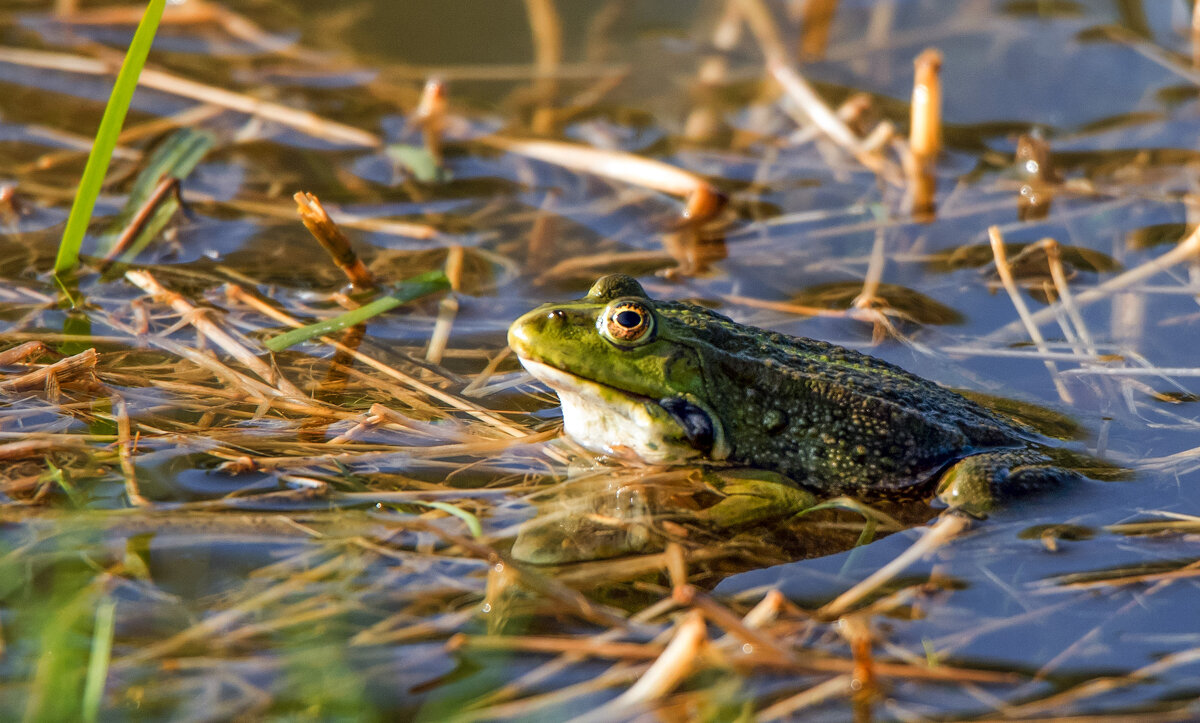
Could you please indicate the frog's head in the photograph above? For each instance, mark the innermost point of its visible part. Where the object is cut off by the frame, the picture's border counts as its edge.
(630, 378)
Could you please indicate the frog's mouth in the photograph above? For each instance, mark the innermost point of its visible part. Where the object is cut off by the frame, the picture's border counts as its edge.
(605, 419)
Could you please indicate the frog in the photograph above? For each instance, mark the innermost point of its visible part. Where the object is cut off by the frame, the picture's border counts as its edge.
(674, 383)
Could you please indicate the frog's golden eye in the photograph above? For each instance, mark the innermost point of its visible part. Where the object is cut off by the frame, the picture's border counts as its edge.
(628, 322)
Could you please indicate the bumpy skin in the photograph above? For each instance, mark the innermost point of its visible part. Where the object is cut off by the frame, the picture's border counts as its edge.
(829, 418)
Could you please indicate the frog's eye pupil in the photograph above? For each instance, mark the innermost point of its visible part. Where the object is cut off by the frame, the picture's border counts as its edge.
(628, 318)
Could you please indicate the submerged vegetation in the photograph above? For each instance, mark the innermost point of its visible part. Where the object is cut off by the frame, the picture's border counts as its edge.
(264, 452)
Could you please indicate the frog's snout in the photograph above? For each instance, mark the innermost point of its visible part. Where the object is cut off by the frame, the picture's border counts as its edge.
(525, 332)
(518, 335)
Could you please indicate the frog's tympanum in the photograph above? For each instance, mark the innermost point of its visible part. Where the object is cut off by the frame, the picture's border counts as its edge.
(670, 382)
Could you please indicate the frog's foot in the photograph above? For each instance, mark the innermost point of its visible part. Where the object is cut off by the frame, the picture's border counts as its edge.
(750, 496)
(976, 483)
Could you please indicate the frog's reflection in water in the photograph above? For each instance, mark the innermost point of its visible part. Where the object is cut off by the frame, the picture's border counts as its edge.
(731, 518)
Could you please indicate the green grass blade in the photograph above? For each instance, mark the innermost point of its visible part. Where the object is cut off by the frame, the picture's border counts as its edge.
(106, 139)
(469, 519)
(97, 670)
(402, 293)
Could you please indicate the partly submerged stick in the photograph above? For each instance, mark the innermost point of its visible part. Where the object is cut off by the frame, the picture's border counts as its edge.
(146, 282)
(1010, 285)
(944, 529)
(925, 133)
(331, 238)
(677, 661)
(125, 442)
(303, 121)
(704, 201)
(73, 366)
(1188, 247)
(925, 130)
(153, 200)
(405, 379)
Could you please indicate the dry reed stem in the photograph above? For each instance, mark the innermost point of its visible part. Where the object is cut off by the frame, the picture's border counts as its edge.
(591, 264)
(331, 238)
(1187, 571)
(819, 693)
(200, 391)
(546, 27)
(758, 17)
(216, 624)
(75, 146)
(848, 111)
(506, 72)
(237, 293)
(925, 130)
(191, 117)
(385, 631)
(482, 447)
(21, 352)
(1066, 297)
(481, 379)
(345, 219)
(430, 115)
(703, 200)
(675, 664)
(1187, 248)
(396, 392)
(766, 611)
(564, 660)
(146, 282)
(379, 415)
(787, 307)
(856, 630)
(81, 364)
(524, 708)
(125, 444)
(317, 610)
(1187, 711)
(1196, 35)
(60, 337)
(1097, 686)
(676, 564)
(704, 121)
(439, 338)
(303, 121)
(724, 618)
(40, 445)
(868, 300)
(281, 210)
(611, 571)
(542, 239)
(1018, 302)
(816, 20)
(579, 648)
(195, 12)
(933, 537)
(166, 187)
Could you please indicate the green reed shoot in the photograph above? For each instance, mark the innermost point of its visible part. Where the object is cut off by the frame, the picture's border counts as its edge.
(106, 139)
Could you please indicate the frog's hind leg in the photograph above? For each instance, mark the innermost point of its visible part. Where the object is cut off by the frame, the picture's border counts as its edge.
(975, 484)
